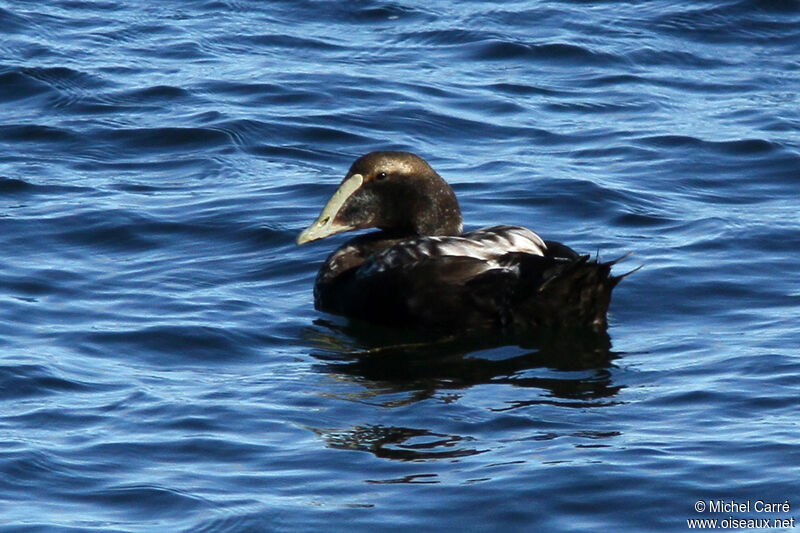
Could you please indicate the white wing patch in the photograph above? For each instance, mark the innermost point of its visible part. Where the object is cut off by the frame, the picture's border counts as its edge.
(486, 244)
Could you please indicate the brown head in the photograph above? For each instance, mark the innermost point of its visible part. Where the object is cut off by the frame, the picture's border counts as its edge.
(394, 191)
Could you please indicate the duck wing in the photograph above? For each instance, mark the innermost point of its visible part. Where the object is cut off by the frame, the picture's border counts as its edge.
(503, 277)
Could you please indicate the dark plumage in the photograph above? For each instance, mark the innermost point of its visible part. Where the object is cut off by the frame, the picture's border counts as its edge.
(420, 270)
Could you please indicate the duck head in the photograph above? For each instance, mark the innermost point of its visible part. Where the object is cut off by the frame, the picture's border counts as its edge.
(393, 191)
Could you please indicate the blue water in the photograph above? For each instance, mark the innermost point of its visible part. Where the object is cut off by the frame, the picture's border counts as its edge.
(163, 368)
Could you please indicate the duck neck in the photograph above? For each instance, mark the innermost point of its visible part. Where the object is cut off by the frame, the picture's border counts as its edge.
(436, 212)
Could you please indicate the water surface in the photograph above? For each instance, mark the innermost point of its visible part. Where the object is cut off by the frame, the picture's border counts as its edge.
(163, 368)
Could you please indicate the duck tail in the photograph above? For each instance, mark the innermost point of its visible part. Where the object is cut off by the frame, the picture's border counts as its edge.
(616, 279)
(575, 292)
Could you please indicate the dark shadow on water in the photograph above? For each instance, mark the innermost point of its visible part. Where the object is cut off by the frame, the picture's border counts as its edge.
(565, 369)
(400, 443)
(395, 360)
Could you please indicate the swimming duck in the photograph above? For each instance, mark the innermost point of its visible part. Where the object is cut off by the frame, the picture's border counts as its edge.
(420, 269)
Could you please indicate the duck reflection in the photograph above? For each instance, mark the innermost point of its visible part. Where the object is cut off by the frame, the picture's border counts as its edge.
(572, 366)
(394, 368)
(399, 443)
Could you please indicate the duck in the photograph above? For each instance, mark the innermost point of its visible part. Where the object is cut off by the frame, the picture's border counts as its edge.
(420, 269)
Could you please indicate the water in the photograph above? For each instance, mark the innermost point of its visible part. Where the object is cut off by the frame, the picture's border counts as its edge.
(163, 368)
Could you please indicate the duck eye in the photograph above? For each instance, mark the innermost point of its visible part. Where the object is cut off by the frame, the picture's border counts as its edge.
(381, 176)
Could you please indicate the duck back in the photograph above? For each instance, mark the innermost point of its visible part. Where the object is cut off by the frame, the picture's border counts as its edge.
(503, 277)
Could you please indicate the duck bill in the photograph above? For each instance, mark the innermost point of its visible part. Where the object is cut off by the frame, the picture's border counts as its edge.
(325, 226)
